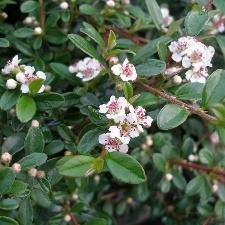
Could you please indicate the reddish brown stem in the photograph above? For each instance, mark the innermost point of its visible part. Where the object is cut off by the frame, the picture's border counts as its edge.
(206, 222)
(189, 165)
(72, 216)
(136, 39)
(172, 99)
(208, 5)
(42, 14)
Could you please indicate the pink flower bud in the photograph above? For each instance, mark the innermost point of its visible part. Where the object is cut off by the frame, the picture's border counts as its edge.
(16, 167)
(32, 172)
(6, 158)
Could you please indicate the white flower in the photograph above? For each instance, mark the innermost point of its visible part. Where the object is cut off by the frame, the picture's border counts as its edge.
(141, 118)
(37, 30)
(217, 24)
(197, 75)
(167, 19)
(110, 3)
(112, 142)
(11, 65)
(64, 5)
(20, 77)
(113, 60)
(115, 108)
(11, 84)
(86, 69)
(126, 71)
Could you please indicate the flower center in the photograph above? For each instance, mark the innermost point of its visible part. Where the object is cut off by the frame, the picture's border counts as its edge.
(127, 70)
(113, 107)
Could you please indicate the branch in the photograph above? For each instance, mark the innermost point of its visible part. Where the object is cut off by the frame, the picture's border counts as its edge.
(208, 5)
(173, 100)
(136, 39)
(188, 165)
(73, 218)
(206, 222)
(42, 14)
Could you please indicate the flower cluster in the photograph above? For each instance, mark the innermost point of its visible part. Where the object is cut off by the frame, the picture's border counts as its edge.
(86, 69)
(217, 24)
(128, 123)
(22, 75)
(126, 71)
(194, 56)
(167, 18)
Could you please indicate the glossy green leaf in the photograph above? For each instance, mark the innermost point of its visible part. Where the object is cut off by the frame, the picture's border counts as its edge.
(159, 161)
(7, 177)
(9, 99)
(8, 204)
(125, 168)
(194, 186)
(7, 221)
(4, 43)
(28, 6)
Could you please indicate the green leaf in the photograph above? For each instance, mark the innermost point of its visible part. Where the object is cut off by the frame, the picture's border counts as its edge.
(24, 48)
(195, 22)
(163, 51)
(84, 45)
(125, 168)
(206, 156)
(9, 99)
(35, 86)
(23, 32)
(151, 68)
(89, 140)
(56, 37)
(14, 143)
(205, 190)
(220, 5)
(178, 180)
(7, 177)
(25, 108)
(111, 40)
(128, 90)
(214, 89)
(174, 27)
(49, 101)
(28, 6)
(155, 13)
(96, 117)
(89, 30)
(34, 141)
(190, 91)
(88, 9)
(54, 147)
(4, 43)
(171, 116)
(8, 204)
(26, 212)
(7, 221)
(221, 42)
(146, 99)
(18, 187)
(76, 166)
(97, 221)
(220, 209)
(159, 161)
(32, 160)
(194, 186)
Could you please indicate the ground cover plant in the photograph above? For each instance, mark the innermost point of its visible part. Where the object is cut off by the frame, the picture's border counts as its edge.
(112, 112)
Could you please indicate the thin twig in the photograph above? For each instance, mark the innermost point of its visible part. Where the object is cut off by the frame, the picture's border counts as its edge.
(206, 222)
(42, 14)
(73, 218)
(189, 165)
(208, 5)
(176, 101)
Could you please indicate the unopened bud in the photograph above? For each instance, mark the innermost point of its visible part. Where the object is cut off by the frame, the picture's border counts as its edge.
(214, 137)
(32, 172)
(110, 3)
(144, 146)
(67, 218)
(192, 158)
(67, 153)
(64, 5)
(6, 158)
(130, 201)
(16, 167)
(48, 88)
(20, 77)
(74, 196)
(127, 2)
(4, 15)
(172, 71)
(37, 30)
(35, 123)
(169, 176)
(40, 174)
(113, 60)
(97, 179)
(11, 84)
(149, 141)
(215, 188)
(177, 80)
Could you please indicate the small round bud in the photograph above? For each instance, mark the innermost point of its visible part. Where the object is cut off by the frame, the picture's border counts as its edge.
(215, 188)
(169, 176)
(192, 158)
(110, 3)
(67, 153)
(126, 12)
(72, 69)
(149, 141)
(6, 158)
(97, 179)
(126, 2)
(20, 77)
(11, 84)
(16, 167)
(64, 5)
(48, 88)
(67, 218)
(37, 30)
(74, 196)
(40, 174)
(12, 111)
(144, 146)
(29, 20)
(32, 172)
(4, 15)
(113, 60)
(214, 137)
(172, 71)
(35, 123)
(177, 80)
(130, 201)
